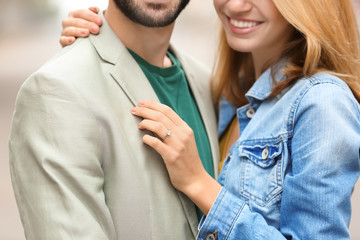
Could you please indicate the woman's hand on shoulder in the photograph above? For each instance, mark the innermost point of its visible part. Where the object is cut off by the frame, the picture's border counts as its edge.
(80, 23)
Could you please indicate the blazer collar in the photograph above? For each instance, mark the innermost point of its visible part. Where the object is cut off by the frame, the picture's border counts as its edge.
(125, 69)
(107, 43)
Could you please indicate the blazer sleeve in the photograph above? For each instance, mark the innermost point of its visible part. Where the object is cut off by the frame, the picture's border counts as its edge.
(55, 163)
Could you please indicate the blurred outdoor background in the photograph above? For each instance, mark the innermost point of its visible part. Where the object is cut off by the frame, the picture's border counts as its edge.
(29, 33)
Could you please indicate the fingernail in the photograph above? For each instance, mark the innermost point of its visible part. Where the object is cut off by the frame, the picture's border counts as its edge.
(142, 103)
(133, 110)
(94, 29)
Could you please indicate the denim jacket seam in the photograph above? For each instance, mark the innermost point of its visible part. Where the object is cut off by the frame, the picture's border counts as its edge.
(235, 220)
(267, 201)
(215, 211)
(270, 196)
(311, 82)
(275, 140)
(343, 86)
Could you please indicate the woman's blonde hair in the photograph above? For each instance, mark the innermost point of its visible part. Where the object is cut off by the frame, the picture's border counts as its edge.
(325, 39)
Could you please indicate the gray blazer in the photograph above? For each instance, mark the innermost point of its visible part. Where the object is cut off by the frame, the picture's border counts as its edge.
(79, 168)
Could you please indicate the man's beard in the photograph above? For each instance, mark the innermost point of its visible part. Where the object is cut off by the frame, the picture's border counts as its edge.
(155, 15)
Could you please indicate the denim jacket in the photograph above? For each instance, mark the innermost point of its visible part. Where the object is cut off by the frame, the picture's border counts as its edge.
(291, 173)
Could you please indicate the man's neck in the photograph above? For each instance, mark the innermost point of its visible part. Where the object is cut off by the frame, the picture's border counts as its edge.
(149, 43)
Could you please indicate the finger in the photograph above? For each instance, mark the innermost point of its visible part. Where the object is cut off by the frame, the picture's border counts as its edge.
(94, 9)
(75, 32)
(86, 15)
(153, 115)
(69, 24)
(156, 144)
(155, 127)
(164, 109)
(65, 41)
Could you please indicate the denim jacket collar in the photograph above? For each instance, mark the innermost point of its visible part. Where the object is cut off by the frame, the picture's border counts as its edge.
(262, 87)
(259, 91)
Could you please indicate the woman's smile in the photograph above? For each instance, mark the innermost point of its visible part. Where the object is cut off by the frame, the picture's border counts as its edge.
(243, 26)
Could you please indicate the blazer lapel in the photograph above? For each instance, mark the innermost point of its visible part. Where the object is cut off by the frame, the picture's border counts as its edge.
(132, 80)
(125, 70)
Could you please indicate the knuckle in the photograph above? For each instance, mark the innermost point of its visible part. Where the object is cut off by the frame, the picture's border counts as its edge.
(188, 131)
(182, 148)
(82, 32)
(155, 143)
(167, 110)
(150, 141)
(66, 32)
(176, 156)
(158, 116)
(158, 127)
(87, 24)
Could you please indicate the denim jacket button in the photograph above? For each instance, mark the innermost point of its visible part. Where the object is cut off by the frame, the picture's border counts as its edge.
(265, 153)
(212, 236)
(250, 112)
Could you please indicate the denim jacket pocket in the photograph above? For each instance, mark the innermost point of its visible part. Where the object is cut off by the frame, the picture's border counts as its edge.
(261, 178)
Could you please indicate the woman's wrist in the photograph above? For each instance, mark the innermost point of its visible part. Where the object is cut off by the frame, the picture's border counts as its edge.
(203, 191)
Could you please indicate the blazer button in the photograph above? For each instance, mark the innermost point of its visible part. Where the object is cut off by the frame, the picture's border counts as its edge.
(212, 236)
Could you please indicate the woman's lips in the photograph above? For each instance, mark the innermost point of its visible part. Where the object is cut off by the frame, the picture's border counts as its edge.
(243, 26)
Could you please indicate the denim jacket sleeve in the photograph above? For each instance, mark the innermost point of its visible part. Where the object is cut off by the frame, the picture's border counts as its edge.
(318, 180)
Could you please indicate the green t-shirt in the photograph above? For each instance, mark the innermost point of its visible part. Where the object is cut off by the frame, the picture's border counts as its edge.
(171, 87)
